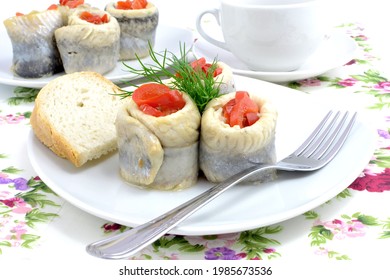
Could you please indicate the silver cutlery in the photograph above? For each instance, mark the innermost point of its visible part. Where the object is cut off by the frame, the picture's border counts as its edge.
(318, 150)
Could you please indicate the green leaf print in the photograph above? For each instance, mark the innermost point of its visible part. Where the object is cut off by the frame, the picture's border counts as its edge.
(184, 245)
(255, 243)
(366, 220)
(319, 235)
(370, 76)
(310, 215)
(23, 95)
(11, 170)
(35, 216)
(28, 239)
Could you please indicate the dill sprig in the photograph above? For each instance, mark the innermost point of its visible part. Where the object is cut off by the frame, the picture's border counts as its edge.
(199, 85)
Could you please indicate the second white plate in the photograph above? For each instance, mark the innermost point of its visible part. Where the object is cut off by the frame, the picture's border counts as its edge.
(97, 187)
(167, 38)
(336, 51)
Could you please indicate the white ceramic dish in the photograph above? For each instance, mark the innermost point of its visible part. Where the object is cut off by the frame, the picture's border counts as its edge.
(167, 38)
(98, 188)
(337, 50)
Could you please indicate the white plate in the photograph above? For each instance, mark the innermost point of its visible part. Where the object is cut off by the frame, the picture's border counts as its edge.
(98, 188)
(337, 50)
(167, 38)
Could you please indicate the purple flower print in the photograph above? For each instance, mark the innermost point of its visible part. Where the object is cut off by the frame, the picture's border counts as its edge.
(20, 183)
(384, 86)
(384, 133)
(347, 82)
(5, 180)
(221, 253)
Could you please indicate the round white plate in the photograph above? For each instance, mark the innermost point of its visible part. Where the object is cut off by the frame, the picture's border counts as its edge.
(167, 38)
(337, 50)
(98, 188)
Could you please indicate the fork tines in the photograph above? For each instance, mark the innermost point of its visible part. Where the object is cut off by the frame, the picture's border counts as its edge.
(327, 139)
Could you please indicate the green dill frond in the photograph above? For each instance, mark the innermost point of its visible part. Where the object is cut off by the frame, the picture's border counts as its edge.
(166, 66)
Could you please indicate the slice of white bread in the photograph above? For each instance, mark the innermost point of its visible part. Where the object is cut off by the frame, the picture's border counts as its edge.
(74, 115)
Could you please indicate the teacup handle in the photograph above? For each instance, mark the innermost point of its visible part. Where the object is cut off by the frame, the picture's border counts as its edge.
(215, 13)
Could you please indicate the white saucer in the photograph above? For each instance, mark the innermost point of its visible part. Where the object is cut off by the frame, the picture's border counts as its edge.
(337, 50)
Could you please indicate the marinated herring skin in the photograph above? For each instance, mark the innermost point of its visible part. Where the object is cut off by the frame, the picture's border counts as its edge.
(138, 30)
(35, 53)
(224, 151)
(159, 152)
(85, 46)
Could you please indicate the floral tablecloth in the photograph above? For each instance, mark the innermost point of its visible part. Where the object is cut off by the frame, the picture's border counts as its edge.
(354, 225)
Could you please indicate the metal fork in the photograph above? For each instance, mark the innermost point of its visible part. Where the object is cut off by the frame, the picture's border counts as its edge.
(319, 149)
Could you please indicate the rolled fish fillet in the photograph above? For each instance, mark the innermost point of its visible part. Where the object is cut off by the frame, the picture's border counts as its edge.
(225, 150)
(86, 46)
(225, 80)
(35, 53)
(159, 152)
(138, 29)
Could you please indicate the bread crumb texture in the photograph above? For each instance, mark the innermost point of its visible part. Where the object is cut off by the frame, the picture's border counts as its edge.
(74, 115)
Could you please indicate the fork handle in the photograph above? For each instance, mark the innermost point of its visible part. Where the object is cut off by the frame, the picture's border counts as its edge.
(129, 242)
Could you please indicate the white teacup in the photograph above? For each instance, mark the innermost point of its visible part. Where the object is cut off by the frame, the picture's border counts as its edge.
(268, 35)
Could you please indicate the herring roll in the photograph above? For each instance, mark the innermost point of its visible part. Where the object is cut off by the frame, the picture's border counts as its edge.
(35, 53)
(138, 21)
(237, 130)
(223, 74)
(157, 134)
(90, 41)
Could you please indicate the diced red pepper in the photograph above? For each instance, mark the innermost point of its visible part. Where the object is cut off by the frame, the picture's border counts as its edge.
(158, 100)
(94, 18)
(202, 65)
(241, 110)
(131, 4)
(71, 3)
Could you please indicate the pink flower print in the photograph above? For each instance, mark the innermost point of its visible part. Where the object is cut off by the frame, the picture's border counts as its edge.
(353, 61)
(11, 119)
(4, 194)
(321, 251)
(355, 229)
(347, 82)
(378, 183)
(18, 204)
(269, 250)
(3, 175)
(360, 38)
(384, 86)
(17, 232)
(310, 82)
